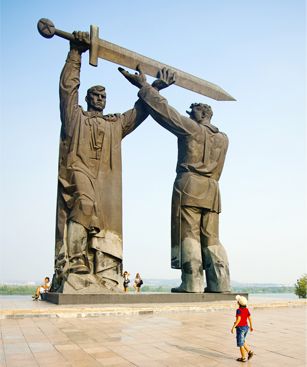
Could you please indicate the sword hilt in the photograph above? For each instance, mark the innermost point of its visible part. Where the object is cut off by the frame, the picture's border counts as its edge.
(47, 29)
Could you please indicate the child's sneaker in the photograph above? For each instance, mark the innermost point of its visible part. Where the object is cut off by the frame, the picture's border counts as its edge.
(35, 297)
(242, 359)
(250, 354)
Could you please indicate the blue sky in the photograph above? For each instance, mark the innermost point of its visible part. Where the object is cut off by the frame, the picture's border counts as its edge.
(254, 50)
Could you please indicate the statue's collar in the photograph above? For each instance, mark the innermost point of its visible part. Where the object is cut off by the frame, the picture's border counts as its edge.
(92, 114)
(213, 128)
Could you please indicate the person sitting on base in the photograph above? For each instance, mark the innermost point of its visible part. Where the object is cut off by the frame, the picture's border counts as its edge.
(44, 288)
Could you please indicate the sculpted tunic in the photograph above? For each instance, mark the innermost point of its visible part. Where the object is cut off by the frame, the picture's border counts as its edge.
(90, 180)
(201, 155)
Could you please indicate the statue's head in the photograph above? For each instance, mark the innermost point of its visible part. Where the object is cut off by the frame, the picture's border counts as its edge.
(96, 98)
(200, 112)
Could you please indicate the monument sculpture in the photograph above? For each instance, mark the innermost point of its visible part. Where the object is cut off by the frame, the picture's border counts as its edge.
(196, 200)
(88, 251)
(89, 208)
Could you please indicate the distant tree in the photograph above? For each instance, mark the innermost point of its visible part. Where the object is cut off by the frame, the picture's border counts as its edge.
(16, 289)
(301, 287)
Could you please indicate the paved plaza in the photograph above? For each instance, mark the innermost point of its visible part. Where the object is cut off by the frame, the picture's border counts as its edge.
(148, 339)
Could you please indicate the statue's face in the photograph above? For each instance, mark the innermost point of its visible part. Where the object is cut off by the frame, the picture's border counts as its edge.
(196, 113)
(96, 100)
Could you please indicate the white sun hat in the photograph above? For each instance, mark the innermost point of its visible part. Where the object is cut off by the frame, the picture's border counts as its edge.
(241, 300)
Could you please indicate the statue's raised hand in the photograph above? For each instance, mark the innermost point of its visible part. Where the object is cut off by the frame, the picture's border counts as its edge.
(81, 41)
(138, 79)
(166, 77)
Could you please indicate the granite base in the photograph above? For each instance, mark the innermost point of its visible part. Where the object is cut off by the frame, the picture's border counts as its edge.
(133, 298)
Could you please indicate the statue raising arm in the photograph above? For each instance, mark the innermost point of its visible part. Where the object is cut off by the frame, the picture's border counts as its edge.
(70, 81)
(158, 107)
(134, 117)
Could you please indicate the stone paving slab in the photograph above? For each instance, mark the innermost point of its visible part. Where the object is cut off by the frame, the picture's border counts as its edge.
(171, 339)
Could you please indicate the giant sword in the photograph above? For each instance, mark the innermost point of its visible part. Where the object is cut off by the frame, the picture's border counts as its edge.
(122, 56)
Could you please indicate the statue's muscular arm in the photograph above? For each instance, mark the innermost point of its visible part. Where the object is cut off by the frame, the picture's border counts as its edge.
(70, 82)
(157, 106)
(133, 118)
(167, 116)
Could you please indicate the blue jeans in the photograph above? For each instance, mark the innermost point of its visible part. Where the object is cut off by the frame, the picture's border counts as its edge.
(241, 335)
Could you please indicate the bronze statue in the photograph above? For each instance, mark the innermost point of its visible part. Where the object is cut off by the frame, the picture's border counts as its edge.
(196, 200)
(89, 210)
(88, 254)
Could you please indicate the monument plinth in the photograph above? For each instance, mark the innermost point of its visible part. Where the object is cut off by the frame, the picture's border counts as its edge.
(134, 298)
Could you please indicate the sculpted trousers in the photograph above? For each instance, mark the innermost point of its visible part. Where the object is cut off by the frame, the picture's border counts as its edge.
(77, 248)
(84, 208)
(84, 259)
(201, 249)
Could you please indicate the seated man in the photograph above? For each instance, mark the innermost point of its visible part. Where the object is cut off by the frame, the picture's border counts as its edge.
(42, 289)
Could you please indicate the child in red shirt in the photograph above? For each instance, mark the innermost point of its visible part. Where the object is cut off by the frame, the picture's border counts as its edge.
(242, 315)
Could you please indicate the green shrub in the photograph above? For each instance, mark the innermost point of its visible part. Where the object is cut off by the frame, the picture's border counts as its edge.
(301, 286)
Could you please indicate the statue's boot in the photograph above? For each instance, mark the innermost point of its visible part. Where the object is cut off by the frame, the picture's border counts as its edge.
(192, 274)
(217, 269)
(179, 290)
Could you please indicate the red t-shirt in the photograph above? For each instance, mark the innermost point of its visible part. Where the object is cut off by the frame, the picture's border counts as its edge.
(243, 313)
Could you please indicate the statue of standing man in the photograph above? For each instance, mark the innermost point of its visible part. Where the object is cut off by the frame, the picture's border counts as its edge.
(88, 254)
(196, 200)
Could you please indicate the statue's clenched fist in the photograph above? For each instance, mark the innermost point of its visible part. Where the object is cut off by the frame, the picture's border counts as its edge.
(81, 41)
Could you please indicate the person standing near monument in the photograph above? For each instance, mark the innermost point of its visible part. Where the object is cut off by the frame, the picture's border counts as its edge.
(196, 200)
(138, 282)
(241, 326)
(126, 281)
(89, 207)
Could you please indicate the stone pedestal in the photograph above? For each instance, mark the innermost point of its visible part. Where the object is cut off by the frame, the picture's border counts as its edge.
(134, 298)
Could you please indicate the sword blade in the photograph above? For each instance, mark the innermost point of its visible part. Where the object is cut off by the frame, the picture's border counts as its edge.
(122, 56)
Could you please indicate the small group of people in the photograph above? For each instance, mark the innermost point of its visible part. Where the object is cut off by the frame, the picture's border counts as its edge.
(138, 282)
(42, 289)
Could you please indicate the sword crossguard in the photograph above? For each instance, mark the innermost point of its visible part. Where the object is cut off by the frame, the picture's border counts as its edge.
(94, 47)
(47, 29)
